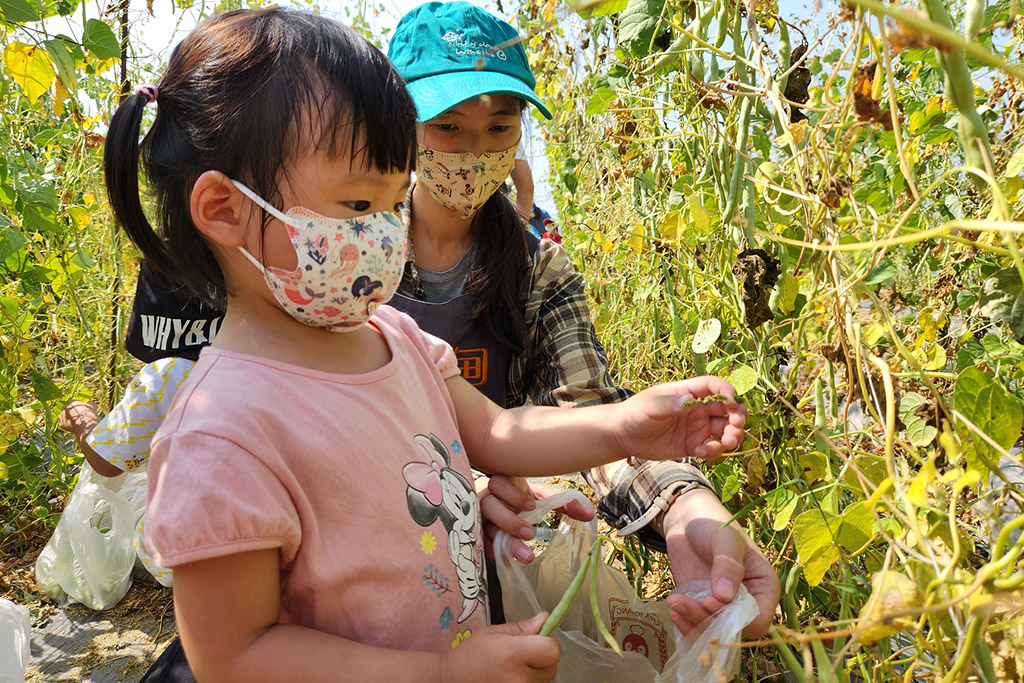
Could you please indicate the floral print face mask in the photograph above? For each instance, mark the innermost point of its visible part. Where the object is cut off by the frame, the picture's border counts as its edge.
(463, 182)
(347, 266)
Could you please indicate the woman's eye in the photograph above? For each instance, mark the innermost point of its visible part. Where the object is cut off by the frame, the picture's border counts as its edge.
(359, 205)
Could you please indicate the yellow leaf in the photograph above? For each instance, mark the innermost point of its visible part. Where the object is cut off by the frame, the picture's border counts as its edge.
(789, 287)
(873, 501)
(970, 478)
(89, 198)
(669, 228)
(699, 215)
(934, 104)
(918, 491)
(890, 591)
(59, 97)
(873, 333)
(798, 131)
(636, 240)
(80, 215)
(30, 68)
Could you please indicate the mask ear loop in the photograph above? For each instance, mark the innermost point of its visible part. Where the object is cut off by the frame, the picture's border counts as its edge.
(266, 206)
(260, 202)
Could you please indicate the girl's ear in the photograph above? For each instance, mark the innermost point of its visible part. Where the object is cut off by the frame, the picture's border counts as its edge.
(216, 206)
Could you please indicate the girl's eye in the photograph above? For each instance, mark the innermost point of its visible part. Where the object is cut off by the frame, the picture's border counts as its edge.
(359, 205)
(446, 127)
(500, 129)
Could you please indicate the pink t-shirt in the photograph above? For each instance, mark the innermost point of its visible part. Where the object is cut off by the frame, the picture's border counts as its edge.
(361, 481)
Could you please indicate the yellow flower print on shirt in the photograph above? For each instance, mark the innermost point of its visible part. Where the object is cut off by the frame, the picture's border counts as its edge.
(428, 543)
(461, 637)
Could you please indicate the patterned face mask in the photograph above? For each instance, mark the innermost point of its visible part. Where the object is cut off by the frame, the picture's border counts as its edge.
(463, 182)
(347, 266)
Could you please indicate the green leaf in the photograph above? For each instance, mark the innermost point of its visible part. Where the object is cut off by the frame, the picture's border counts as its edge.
(814, 466)
(883, 272)
(44, 388)
(985, 402)
(955, 206)
(601, 7)
(919, 432)
(706, 335)
(18, 11)
(11, 242)
(814, 536)
(638, 24)
(599, 101)
(64, 61)
(1002, 298)
(100, 40)
(856, 528)
(782, 503)
(743, 378)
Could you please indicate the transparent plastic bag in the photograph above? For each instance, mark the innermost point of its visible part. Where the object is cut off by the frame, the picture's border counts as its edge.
(653, 651)
(14, 641)
(90, 556)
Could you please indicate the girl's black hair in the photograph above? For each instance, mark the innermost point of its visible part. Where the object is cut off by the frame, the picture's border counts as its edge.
(242, 94)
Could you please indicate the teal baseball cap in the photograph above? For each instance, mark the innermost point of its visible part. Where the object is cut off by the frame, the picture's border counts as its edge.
(452, 52)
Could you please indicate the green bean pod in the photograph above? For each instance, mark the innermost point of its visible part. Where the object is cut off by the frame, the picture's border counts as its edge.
(785, 51)
(595, 560)
(555, 618)
(742, 129)
(974, 17)
(960, 90)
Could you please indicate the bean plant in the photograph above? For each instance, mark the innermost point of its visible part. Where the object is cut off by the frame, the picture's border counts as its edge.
(829, 218)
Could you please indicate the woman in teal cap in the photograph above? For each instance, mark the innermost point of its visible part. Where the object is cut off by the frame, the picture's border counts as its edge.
(515, 310)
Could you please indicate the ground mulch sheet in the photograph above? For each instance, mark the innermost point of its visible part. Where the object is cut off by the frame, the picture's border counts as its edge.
(75, 643)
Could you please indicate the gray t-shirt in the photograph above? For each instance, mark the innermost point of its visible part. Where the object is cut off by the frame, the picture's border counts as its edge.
(441, 287)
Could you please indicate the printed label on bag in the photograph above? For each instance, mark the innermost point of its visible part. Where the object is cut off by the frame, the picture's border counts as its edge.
(640, 632)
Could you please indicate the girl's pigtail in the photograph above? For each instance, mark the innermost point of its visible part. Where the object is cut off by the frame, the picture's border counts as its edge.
(121, 171)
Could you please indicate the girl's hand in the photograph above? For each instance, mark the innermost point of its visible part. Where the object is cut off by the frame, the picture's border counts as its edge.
(79, 418)
(510, 653)
(668, 421)
(501, 501)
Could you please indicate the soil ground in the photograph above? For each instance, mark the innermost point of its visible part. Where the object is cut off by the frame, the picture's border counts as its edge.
(75, 643)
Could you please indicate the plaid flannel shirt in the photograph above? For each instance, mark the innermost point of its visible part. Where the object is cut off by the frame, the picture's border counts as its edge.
(565, 365)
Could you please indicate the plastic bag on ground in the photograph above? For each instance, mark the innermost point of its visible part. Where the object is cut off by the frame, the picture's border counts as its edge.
(90, 556)
(653, 651)
(14, 641)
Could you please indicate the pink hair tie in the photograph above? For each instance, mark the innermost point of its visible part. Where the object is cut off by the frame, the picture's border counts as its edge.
(150, 91)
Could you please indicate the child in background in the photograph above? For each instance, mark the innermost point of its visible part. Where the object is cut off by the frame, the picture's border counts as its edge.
(310, 486)
(167, 329)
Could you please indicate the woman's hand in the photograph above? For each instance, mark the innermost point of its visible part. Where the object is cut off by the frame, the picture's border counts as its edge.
(503, 498)
(701, 546)
(669, 421)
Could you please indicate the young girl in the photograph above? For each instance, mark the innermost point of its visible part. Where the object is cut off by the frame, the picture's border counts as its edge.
(310, 486)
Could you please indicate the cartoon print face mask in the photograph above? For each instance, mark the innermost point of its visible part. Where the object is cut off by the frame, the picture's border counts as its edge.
(346, 268)
(463, 182)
